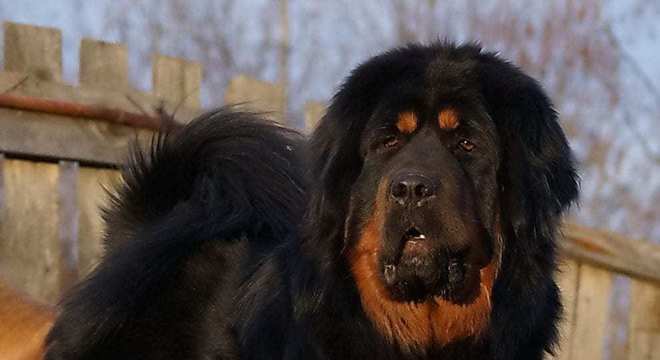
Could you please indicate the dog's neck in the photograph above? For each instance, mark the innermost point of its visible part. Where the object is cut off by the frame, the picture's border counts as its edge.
(416, 326)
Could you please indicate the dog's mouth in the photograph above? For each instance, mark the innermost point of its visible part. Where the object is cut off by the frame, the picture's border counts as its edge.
(414, 234)
(415, 247)
(423, 268)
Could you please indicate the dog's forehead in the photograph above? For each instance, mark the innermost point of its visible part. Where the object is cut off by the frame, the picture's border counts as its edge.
(447, 113)
(443, 89)
(451, 72)
(431, 85)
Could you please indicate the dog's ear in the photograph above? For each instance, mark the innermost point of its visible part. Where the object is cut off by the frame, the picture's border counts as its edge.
(537, 178)
(335, 161)
(334, 164)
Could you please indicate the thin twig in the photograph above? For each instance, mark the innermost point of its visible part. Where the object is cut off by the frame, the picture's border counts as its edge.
(643, 142)
(17, 85)
(183, 100)
(137, 105)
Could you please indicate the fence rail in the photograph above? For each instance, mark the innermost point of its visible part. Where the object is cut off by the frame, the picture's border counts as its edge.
(55, 165)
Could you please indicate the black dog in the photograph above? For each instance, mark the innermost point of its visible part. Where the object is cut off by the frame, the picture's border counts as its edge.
(418, 222)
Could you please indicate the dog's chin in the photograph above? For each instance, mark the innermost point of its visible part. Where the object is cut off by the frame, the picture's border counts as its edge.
(415, 288)
(422, 271)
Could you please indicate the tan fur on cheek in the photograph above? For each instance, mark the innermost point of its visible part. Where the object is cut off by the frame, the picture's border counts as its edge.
(404, 323)
(407, 122)
(448, 119)
(454, 322)
(414, 326)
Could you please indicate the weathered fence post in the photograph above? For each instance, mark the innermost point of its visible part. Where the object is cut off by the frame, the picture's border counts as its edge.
(29, 228)
(592, 313)
(33, 50)
(568, 285)
(256, 95)
(644, 322)
(31, 252)
(68, 216)
(176, 80)
(103, 65)
(92, 196)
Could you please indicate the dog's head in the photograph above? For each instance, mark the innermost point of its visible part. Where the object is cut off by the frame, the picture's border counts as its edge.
(423, 200)
(429, 159)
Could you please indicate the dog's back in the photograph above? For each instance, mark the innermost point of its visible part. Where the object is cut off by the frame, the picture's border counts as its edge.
(225, 188)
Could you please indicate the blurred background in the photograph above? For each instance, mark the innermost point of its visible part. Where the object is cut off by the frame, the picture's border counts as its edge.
(598, 59)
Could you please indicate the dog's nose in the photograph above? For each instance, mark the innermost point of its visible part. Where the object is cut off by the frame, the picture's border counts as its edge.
(411, 188)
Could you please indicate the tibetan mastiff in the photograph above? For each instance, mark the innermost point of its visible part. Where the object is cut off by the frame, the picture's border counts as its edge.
(418, 221)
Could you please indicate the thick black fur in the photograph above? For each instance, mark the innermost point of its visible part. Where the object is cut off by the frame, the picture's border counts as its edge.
(226, 244)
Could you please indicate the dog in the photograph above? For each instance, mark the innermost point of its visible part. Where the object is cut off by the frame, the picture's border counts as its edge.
(418, 221)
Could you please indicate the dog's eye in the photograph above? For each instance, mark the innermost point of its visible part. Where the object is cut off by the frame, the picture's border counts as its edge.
(391, 141)
(466, 145)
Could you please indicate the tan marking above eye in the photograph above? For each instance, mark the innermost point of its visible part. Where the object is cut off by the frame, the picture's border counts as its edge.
(448, 119)
(407, 122)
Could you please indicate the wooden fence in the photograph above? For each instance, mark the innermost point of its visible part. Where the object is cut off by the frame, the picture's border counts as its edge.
(60, 145)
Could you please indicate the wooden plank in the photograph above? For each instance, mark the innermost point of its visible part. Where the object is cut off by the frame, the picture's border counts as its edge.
(103, 64)
(568, 285)
(34, 50)
(57, 137)
(255, 95)
(68, 224)
(29, 239)
(592, 312)
(314, 110)
(100, 142)
(635, 258)
(616, 338)
(92, 196)
(644, 325)
(126, 99)
(2, 185)
(176, 80)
